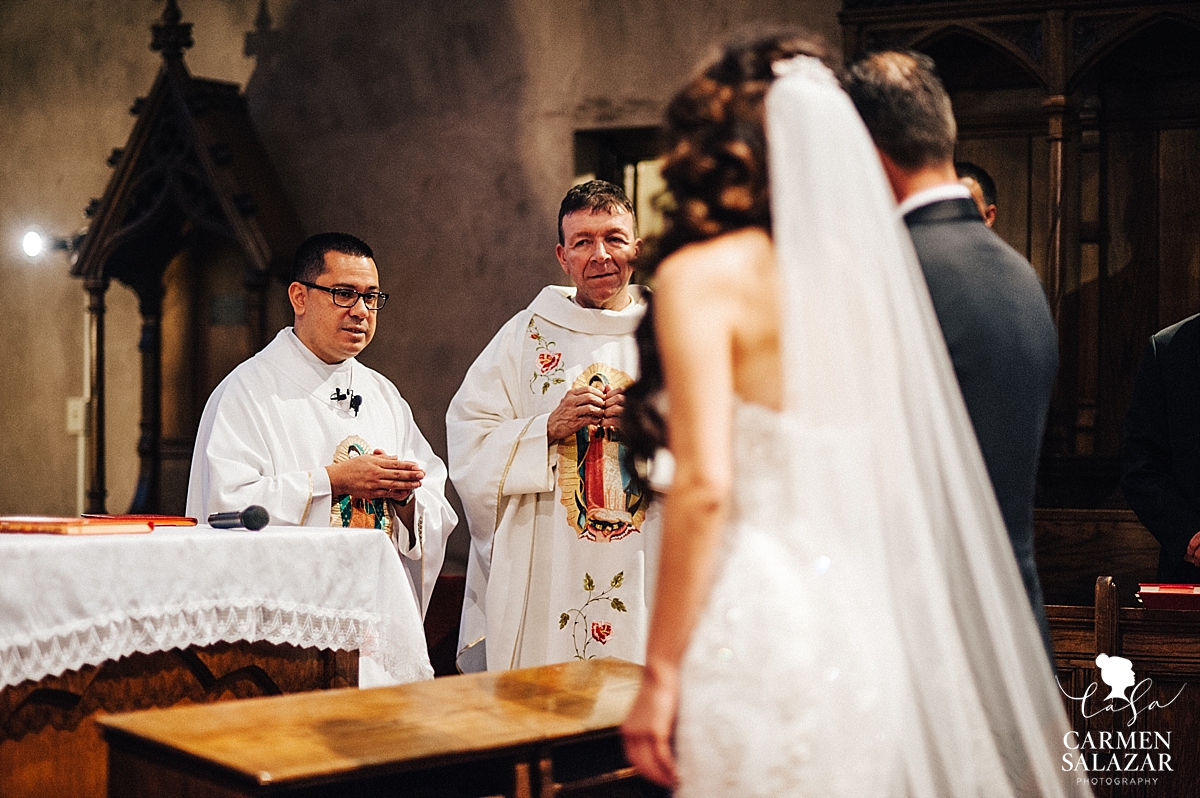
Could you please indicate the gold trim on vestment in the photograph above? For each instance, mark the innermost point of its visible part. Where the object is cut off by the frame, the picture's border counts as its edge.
(307, 504)
(468, 647)
(500, 498)
(504, 476)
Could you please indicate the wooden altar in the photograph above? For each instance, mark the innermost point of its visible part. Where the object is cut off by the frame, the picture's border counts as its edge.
(50, 743)
(100, 624)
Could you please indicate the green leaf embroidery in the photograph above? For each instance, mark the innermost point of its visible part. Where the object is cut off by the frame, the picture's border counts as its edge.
(545, 387)
(580, 627)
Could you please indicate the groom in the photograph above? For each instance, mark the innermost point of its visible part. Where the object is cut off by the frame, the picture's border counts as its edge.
(990, 305)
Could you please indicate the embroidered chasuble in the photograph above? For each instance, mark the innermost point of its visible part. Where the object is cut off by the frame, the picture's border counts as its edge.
(271, 427)
(563, 545)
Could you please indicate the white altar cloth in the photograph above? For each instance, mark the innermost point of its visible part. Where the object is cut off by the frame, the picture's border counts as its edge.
(69, 601)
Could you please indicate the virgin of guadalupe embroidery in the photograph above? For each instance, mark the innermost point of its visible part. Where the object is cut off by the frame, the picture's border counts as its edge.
(602, 499)
(348, 511)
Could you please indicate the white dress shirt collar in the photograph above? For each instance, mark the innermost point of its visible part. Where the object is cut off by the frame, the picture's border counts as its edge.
(928, 196)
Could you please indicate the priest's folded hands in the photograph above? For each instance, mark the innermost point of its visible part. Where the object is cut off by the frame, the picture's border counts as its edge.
(377, 475)
(586, 406)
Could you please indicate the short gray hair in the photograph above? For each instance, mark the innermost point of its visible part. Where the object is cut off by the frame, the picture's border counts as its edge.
(904, 105)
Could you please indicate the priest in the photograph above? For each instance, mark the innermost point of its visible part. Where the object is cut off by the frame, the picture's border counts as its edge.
(317, 438)
(563, 547)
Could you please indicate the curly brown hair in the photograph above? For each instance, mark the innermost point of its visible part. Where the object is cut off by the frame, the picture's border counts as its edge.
(716, 174)
(716, 163)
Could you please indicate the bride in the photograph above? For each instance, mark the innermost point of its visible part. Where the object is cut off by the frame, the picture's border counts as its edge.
(838, 609)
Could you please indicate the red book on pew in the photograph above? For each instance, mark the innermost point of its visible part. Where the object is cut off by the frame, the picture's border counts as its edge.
(1157, 596)
(53, 525)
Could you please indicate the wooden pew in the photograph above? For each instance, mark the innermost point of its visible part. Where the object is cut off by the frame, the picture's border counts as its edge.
(1164, 648)
(1075, 547)
(531, 733)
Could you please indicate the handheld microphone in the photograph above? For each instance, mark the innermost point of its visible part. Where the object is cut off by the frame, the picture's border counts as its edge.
(253, 517)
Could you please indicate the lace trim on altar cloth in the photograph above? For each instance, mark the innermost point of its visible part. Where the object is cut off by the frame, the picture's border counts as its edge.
(92, 641)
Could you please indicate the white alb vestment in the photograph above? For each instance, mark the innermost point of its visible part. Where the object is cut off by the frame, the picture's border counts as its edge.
(563, 549)
(270, 428)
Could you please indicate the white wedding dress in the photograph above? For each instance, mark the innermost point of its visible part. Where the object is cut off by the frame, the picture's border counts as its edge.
(867, 633)
(787, 686)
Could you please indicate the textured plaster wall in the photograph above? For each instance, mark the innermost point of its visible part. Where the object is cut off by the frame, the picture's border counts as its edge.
(440, 132)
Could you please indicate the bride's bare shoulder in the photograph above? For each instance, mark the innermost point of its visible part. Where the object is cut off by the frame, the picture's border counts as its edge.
(727, 261)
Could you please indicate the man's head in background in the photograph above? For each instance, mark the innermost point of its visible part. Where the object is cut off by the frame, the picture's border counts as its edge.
(981, 186)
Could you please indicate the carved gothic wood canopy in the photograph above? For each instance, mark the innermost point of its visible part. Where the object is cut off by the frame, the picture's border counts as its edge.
(192, 160)
(192, 171)
(1053, 42)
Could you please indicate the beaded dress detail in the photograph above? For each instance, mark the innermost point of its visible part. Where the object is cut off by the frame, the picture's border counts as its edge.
(787, 688)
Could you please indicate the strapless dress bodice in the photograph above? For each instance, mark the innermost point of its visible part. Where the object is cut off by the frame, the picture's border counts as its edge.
(762, 461)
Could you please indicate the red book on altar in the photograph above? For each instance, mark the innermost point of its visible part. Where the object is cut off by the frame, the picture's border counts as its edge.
(156, 520)
(53, 525)
(1157, 596)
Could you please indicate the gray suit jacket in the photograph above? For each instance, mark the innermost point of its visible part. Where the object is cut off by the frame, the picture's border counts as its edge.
(1004, 346)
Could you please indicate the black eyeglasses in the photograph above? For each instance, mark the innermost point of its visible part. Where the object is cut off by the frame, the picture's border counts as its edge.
(348, 297)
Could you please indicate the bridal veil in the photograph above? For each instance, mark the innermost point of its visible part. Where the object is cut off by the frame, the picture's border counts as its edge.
(979, 713)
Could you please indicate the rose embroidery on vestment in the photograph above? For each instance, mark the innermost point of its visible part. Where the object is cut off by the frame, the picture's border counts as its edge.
(548, 361)
(600, 630)
(549, 369)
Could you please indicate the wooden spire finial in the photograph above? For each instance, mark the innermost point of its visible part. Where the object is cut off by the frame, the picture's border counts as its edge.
(262, 42)
(262, 22)
(171, 37)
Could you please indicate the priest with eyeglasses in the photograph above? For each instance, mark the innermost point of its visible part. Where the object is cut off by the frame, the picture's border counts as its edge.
(317, 438)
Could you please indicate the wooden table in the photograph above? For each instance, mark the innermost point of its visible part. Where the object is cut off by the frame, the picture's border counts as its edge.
(531, 732)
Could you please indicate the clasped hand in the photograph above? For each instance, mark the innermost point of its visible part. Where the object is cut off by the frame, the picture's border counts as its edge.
(375, 476)
(586, 406)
